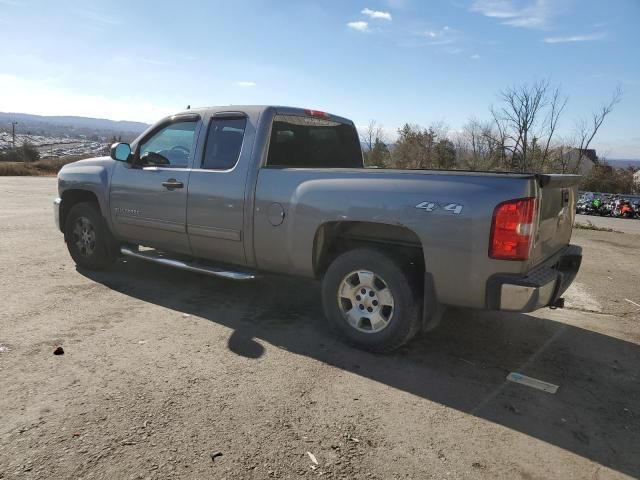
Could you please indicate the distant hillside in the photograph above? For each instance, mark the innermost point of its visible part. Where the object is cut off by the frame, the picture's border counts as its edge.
(623, 163)
(71, 126)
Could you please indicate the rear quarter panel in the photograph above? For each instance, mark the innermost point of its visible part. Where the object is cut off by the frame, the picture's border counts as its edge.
(455, 245)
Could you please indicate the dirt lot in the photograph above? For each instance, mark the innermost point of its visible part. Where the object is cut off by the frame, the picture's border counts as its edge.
(163, 368)
(626, 225)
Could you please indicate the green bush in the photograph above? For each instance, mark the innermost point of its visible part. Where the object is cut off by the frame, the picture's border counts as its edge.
(29, 153)
(604, 178)
(26, 153)
(9, 155)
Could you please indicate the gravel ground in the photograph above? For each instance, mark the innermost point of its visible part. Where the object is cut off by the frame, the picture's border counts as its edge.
(164, 368)
(625, 225)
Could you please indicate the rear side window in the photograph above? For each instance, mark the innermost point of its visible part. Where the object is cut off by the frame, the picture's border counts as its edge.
(224, 142)
(308, 142)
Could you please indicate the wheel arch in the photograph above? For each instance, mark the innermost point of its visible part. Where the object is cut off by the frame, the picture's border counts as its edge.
(72, 197)
(335, 237)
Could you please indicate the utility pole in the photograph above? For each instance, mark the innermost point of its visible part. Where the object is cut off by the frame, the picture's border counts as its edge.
(13, 133)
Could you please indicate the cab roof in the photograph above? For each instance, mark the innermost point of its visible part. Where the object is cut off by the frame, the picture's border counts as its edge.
(258, 109)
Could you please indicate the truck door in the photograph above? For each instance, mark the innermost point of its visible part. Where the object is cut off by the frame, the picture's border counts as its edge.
(215, 205)
(148, 196)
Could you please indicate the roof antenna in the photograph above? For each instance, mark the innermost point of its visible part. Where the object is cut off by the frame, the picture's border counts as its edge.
(188, 107)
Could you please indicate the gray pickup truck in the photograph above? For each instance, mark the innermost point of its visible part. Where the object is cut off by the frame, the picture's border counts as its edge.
(235, 191)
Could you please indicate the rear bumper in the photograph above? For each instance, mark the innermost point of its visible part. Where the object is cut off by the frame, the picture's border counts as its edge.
(541, 287)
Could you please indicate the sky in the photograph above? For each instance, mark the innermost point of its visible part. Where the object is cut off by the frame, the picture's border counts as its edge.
(393, 61)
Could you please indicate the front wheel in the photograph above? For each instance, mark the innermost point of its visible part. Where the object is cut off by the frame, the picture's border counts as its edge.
(88, 238)
(371, 300)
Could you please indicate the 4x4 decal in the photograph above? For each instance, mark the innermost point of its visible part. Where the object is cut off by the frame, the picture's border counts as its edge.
(454, 208)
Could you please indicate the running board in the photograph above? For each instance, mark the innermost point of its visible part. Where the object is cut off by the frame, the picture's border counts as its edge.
(152, 256)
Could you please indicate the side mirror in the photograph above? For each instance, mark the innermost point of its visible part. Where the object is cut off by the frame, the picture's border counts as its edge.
(120, 152)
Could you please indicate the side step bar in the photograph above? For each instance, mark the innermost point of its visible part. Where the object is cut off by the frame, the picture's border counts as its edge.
(152, 256)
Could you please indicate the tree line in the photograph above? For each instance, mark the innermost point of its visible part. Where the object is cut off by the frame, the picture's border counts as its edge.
(520, 134)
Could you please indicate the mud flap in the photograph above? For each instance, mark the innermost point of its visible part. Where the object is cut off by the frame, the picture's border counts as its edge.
(432, 311)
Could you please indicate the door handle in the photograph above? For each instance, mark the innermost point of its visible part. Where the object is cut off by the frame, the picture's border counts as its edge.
(172, 183)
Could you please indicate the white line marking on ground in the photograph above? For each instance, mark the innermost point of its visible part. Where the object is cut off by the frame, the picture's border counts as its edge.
(578, 298)
(531, 359)
(532, 382)
(632, 302)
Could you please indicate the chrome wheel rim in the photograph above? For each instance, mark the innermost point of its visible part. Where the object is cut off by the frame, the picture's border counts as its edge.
(84, 236)
(365, 301)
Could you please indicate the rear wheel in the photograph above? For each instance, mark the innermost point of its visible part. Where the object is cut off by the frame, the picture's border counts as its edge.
(88, 238)
(371, 300)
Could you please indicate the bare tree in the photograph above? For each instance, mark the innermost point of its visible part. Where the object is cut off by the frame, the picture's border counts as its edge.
(373, 139)
(561, 156)
(368, 136)
(557, 105)
(477, 146)
(526, 121)
(500, 139)
(587, 129)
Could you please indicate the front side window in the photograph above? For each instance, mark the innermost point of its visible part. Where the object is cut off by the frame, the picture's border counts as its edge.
(170, 146)
(224, 142)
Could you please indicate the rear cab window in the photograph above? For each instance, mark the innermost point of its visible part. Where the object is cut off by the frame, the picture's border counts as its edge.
(309, 142)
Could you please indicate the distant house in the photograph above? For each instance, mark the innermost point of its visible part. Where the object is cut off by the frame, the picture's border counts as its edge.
(636, 178)
(569, 157)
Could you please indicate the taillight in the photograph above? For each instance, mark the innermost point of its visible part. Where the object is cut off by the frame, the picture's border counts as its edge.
(512, 229)
(316, 113)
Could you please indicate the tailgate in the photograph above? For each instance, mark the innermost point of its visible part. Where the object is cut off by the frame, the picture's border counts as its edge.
(557, 196)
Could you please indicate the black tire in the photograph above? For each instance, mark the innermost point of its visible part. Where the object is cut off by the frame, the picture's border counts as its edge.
(88, 238)
(403, 322)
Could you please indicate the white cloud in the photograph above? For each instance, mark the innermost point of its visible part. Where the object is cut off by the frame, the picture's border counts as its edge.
(534, 14)
(376, 14)
(359, 26)
(443, 36)
(244, 83)
(475, 56)
(494, 8)
(575, 38)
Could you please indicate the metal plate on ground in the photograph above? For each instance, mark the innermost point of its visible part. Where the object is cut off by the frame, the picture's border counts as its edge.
(532, 382)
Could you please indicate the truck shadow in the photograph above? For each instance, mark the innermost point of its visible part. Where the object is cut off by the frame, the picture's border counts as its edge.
(463, 364)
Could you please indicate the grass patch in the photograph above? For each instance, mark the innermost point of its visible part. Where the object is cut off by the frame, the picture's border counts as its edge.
(39, 168)
(590, 226)
(14, 168)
